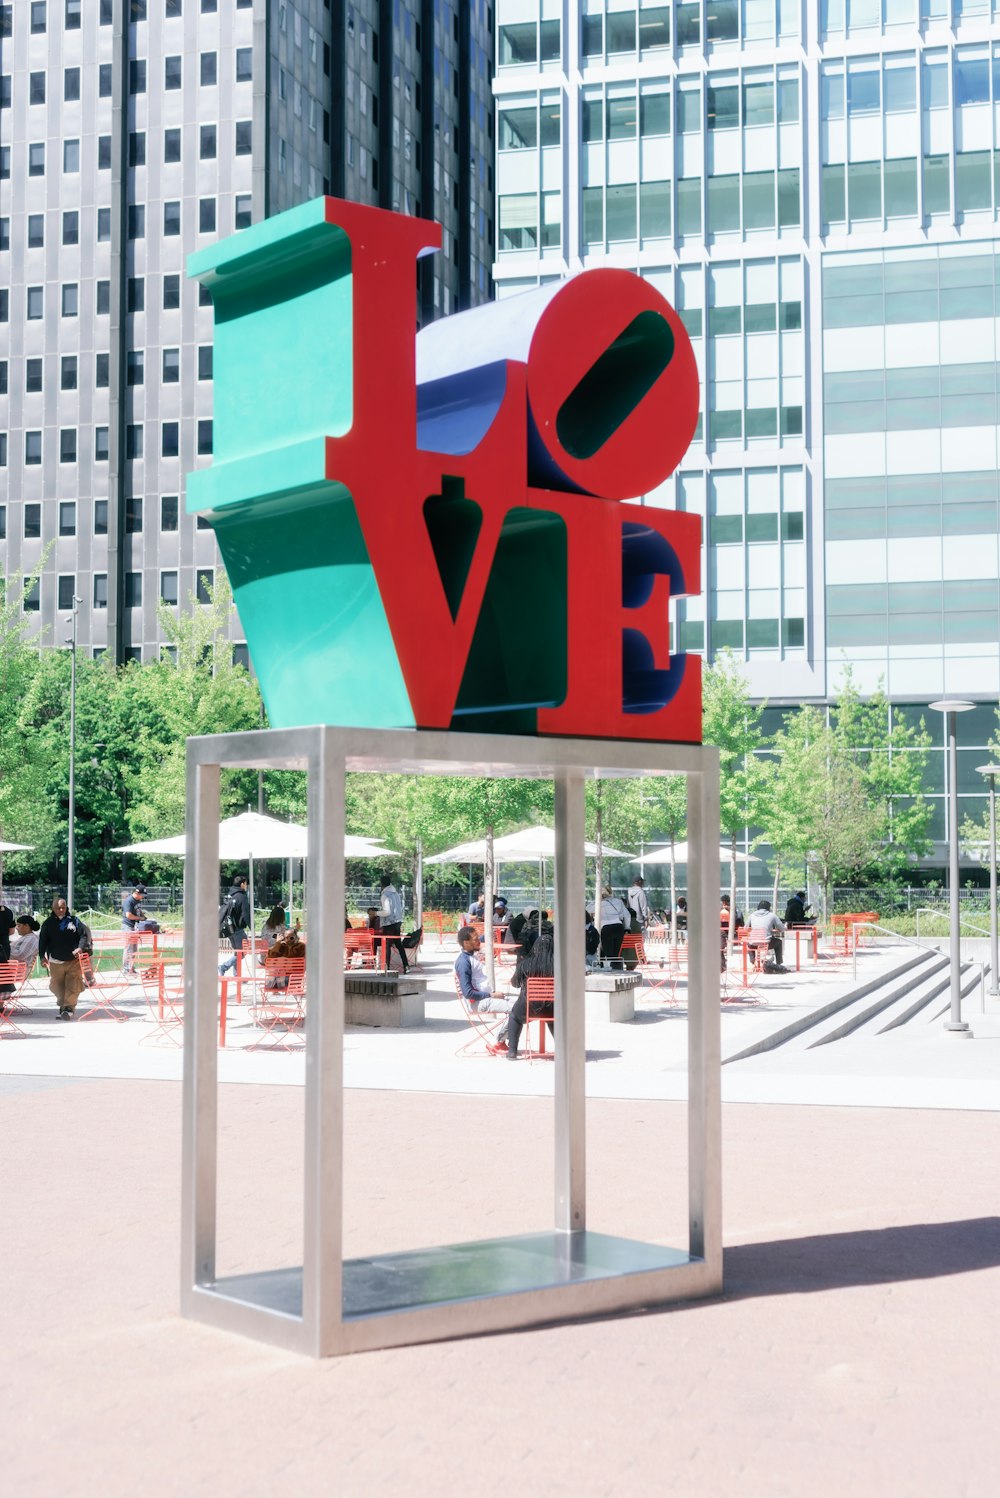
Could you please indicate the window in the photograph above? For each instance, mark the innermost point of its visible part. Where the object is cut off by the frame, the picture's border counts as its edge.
(204, 296)
(71, 155)
(32, 376)
(135, 367)
(171, 145)
(4, 304)
(105, 77)
(244, 213)
(205, 584)
(32, 522)
(102, 367)
(103, 225)
(66, 591)
(168, 512)
(67, 372)
(67, 445)
(5, 90)
(241, 652)
(244, 64)
(171, 72)
(209, 69)
(207, 143)
(133, 441)
(899, 90)
(758, 104)
(4, 233)
(101, 444)
(103, 298)
(4, 163)
(36, 88)
(36, 303)
(206, 216)
(171, 291)
(722, 107)
(133, 514)
(37, 16)
(107, 12)
(173, 8)
(71, 85)
(36, 159)
(244, 137)
(136, 221)
(104, 153)
(36, 231)
(3, 376)
(137, 148)
(209, 7)
(171, 366)
(67, 517)
(72, 15)
(137, 76)
(135, 294)
(6, 20)
(172, 217)
(971, 80)
(71, 227)
(31, 602)
(204, 437)
(168, 588)
(170, 440)
(101, 578)
(100, 517)
(205, 362)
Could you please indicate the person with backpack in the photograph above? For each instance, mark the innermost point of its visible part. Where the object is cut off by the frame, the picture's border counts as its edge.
(234, 922)
(391, 920)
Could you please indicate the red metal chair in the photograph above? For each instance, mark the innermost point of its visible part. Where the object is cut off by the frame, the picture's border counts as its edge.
(654, 975)
(281, 1003)
(539, 997)
(359, 949)
(163, 988)
(101, 991)
(15, 973)
(485, 1027)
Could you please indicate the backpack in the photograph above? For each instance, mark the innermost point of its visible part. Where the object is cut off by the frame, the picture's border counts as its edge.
(227, 916)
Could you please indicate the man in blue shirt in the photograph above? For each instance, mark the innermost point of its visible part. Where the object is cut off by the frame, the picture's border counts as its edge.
(472, 978)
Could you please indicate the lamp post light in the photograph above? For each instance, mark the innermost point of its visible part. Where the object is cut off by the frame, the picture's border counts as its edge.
(991, 772)
(950, 706)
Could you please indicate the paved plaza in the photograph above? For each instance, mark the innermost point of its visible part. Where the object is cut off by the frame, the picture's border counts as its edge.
(853, 1349)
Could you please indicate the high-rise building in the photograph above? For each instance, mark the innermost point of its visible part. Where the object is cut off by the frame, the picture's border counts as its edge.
(133, 132)
(816, 188)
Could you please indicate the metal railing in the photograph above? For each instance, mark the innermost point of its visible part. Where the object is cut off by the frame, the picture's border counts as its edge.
(857, 926)
(943, 915)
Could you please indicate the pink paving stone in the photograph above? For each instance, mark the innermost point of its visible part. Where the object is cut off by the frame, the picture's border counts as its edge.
(854, 1350)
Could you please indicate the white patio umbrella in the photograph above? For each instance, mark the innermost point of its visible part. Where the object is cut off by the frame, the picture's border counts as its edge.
(528, 845)
(16, 847)
(662, 855)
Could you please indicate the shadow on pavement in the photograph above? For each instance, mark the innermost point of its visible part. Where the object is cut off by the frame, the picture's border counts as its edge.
(877, 1256)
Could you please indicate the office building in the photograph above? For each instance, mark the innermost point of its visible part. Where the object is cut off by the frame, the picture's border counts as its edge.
(815, 188)
(131, 133)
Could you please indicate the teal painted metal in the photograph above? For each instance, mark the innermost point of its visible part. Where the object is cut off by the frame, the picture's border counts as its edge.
(297, 562)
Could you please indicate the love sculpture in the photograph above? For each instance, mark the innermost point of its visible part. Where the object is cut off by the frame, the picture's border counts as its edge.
(386, 539)
(438, 571)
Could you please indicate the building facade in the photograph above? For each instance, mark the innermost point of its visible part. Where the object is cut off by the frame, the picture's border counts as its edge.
(131, 133)
(815, 187)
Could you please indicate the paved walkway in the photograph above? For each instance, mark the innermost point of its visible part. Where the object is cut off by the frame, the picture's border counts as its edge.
(854, 1350)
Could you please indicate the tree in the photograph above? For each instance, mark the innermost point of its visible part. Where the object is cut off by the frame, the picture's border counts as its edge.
(891, 756)
(25, 814)
(732, 724)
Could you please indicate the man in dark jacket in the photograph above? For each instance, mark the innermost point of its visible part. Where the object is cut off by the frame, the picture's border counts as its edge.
(795, 910)
(62, 937)
(238, 922)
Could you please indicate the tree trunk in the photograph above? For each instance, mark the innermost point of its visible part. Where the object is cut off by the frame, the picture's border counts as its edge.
(488, 883)
(599, 863)
(418, 885)
(673, 892)
(732, 900)
(777, 877)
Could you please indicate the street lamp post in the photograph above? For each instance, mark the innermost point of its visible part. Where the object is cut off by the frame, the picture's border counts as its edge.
(991, 772)
(950, 706)
(71, 843)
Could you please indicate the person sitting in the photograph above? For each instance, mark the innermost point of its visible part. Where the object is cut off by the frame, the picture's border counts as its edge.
(472, 977)
(592, 937)
(288, 945)
(501, 916)
(681, 916)
(477, 909)
(538, 963)
(764, 920)
(796, 911)
(24, 945)
(374, 919)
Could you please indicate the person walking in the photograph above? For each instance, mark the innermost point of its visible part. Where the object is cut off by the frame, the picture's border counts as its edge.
(62, 938)
(638, 903)
(133, 921)
(391, 920)
(614, 923)
(234, 922)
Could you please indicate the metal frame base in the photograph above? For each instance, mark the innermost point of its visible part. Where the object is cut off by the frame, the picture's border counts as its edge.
(329, 1305)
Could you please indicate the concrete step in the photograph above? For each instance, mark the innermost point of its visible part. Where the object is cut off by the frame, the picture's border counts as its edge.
(912, 970)
(969, 985)
(879, 1010)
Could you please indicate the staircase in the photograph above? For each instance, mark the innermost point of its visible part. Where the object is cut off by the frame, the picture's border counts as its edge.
(916, 991)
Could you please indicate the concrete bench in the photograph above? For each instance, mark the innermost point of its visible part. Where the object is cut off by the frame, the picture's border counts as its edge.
(609, 997)
(384, 1000)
